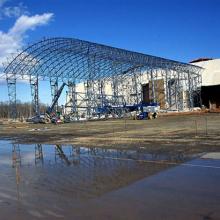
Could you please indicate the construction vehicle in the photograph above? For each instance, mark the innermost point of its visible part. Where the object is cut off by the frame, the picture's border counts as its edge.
(50, 115)
(145, 110)
(55, 100)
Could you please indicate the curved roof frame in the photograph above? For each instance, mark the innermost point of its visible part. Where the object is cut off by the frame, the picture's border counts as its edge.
(76, 60)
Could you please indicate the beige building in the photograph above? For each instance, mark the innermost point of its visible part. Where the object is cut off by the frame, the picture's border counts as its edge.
(210, 92)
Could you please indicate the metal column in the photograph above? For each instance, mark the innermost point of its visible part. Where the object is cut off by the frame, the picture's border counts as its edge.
(34, 94)
(11, 83)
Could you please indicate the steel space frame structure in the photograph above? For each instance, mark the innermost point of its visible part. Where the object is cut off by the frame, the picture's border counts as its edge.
(75, 61)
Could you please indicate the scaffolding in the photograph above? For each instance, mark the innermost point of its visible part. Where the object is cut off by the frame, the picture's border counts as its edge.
(74, 62)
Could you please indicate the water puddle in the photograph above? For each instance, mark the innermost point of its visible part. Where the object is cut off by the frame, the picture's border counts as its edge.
(46, 180)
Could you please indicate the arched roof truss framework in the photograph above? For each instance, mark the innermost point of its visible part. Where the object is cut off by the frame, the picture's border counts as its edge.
(73, 60)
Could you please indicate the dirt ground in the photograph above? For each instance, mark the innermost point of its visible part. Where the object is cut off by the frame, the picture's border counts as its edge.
(182, 133)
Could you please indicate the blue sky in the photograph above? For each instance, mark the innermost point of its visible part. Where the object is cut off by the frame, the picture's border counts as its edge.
(177, 29)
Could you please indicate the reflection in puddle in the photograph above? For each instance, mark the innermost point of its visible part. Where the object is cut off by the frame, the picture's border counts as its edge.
(53, 176)
(79, 171)
(16, 163)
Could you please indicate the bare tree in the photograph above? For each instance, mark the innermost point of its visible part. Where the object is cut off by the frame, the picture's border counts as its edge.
(24, 109)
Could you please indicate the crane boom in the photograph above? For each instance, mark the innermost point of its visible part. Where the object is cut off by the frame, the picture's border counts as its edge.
(56, 97)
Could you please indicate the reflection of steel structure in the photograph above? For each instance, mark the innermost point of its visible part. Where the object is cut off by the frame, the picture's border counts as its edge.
(85, 171)
(16, 155)
(16, 163)
(39, 157)
(75, 61)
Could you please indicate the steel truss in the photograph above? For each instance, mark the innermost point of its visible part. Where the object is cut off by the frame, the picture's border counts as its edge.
(72, 61)
(11, 82)
(54, 89)
(71, 99)
(34, 94)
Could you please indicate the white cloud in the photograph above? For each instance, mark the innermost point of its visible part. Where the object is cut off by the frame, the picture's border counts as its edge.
(25, 23)
(12, 40)
(12, 11)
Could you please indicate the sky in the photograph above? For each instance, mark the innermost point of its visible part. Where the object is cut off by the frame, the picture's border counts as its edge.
(181, 30)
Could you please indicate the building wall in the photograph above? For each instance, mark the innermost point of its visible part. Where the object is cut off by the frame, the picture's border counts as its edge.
(159, 92)
(210, 91)
(210, 73)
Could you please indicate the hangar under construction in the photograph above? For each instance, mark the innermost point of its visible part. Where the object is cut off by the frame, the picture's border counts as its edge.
(102, 80)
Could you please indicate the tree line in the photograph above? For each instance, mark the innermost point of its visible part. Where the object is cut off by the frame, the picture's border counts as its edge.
(24, 109)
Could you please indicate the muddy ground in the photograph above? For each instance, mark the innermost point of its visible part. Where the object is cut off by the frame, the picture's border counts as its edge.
(165, 177)
(182, 133)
